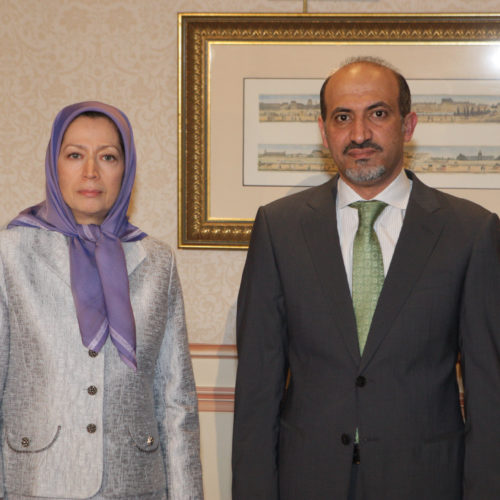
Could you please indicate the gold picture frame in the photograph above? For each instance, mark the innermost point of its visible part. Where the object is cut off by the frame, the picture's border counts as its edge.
(209, 209)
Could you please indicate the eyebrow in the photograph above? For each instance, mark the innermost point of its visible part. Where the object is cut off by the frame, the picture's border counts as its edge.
(81, 146)
(340, 110)
(378, 105)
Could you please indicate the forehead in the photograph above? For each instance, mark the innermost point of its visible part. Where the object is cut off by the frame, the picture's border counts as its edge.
(361, 83)
(92, 126)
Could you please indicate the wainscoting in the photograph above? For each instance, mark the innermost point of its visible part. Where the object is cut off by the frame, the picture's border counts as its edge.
(214, 367)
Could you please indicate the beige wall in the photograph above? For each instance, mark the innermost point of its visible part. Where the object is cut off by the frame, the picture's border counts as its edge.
(54, 52)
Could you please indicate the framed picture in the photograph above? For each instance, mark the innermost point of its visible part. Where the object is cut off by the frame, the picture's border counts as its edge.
(248, 107)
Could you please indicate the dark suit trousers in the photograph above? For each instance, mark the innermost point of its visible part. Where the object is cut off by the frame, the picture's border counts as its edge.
(354, 489)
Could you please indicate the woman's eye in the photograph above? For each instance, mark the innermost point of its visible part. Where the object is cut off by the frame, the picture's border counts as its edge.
(109, 157)
(75, 156)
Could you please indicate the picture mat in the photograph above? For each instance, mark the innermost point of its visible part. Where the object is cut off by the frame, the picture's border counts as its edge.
(230, 63)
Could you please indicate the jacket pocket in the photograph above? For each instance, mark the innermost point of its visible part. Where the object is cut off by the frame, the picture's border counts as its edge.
(145, 437)
(31, 441)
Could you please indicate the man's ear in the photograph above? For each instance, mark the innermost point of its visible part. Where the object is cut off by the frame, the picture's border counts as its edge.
(321, 125)
(409, 124)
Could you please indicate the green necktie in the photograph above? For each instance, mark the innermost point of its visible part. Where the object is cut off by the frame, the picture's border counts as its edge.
(367, 267)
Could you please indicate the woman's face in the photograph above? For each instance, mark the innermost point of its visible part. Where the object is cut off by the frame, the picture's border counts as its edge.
(90, 167)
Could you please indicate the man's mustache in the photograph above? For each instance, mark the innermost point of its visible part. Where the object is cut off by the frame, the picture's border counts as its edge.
(363, 145)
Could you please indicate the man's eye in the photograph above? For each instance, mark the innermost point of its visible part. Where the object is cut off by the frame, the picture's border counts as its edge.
(380, 113)
(342, 118)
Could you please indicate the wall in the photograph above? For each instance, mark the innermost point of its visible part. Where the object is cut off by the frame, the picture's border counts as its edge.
(54, 52)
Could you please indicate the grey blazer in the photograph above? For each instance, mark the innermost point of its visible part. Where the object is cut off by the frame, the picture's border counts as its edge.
(76, 425)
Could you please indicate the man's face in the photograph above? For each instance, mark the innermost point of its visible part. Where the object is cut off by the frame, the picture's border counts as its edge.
(363, 128)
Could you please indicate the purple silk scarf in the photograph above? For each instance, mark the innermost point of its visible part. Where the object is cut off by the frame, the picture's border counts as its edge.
(98, 270)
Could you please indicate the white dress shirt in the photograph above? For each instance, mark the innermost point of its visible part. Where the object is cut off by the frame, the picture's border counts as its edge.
(387, 226)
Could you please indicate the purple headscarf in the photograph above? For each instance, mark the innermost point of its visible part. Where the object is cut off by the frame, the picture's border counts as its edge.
(99, 279)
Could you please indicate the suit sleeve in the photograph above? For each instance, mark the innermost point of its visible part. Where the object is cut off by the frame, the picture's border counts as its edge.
(176, 402)
(480, 351)
(261, 375)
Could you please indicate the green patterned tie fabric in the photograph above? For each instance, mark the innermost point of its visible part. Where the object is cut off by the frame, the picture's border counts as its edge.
(367, 267)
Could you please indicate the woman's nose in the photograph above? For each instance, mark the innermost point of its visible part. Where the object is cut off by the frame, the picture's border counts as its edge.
(90, 169)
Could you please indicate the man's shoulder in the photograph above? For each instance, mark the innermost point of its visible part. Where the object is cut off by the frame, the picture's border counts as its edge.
(308, 196)
(460, 207)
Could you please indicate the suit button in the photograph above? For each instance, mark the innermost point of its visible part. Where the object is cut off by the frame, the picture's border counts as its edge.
(93, 354)
(25, 442)
(92, 390)
(91, 428)
(360, 381)
(346, 439)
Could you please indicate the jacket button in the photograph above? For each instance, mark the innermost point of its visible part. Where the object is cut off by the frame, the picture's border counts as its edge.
(25, 442)
(91, 428)
(92, 390)
(360, 381)
(93, 354)
(346, 439)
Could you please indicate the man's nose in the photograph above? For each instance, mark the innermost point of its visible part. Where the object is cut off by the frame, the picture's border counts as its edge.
(360, 131)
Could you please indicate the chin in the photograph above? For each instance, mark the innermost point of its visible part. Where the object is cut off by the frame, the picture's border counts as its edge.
(88, 217)
(365, 175)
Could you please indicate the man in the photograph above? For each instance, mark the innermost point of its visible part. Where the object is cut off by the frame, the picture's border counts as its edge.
(348, 333)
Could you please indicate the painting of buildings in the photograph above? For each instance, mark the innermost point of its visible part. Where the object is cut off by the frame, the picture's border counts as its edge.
(457, 108)
(429, 108)
(424, 159)
(288, 108)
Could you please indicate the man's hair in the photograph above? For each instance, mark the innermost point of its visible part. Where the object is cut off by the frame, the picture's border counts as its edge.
(404, 99)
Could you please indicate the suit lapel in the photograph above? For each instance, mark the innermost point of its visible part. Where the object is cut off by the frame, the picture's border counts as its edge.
(319, 226)
(422, 226)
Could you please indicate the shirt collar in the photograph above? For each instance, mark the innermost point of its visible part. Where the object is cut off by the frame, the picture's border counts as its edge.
(396, 194)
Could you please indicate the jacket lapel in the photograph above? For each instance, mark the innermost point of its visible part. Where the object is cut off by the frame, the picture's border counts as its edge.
(52, 250)
(134, 254)
(423, 223)
(319, 226)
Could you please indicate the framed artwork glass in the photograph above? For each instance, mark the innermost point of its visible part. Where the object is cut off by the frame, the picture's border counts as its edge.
(249, 102)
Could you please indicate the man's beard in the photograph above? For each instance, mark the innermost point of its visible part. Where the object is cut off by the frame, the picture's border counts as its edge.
(364, 174)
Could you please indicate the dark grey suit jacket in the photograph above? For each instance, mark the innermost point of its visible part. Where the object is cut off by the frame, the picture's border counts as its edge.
(441, 296)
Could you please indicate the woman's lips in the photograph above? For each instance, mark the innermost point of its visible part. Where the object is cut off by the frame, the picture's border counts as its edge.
(89, 193)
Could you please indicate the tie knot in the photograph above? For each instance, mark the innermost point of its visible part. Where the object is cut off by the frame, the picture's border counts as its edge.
(368, 211)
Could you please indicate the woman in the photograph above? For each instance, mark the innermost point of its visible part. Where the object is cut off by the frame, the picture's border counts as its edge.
(99, 399)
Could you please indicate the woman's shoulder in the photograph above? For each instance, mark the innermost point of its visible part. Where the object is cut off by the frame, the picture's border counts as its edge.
(29, 237)
(153, 250)
(154, 246)
(153, 259)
